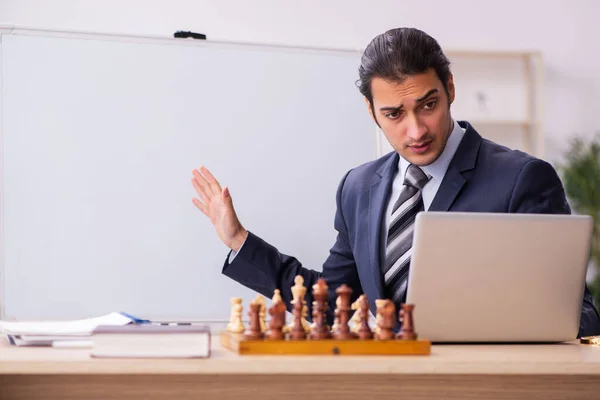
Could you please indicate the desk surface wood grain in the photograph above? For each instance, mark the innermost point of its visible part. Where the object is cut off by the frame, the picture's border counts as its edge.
(557, 359)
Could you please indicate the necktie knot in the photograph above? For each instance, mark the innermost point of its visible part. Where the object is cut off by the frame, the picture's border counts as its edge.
(416, 177)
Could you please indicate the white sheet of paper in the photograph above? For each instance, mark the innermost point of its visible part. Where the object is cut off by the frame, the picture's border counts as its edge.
(82, 327)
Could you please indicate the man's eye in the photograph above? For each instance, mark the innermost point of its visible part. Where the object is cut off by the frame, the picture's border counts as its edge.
(430, 105)
(393, 115)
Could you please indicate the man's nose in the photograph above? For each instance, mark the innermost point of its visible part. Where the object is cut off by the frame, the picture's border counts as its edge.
(415, 130)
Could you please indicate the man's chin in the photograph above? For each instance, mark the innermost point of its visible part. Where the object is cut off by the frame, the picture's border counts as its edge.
(421, 160)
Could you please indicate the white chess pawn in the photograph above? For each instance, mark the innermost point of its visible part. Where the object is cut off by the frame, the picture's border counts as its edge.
(356, 316)
(336, 320)
(235, 324)
(276, 296)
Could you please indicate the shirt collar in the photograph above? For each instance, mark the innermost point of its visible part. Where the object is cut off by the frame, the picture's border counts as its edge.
(437, 169)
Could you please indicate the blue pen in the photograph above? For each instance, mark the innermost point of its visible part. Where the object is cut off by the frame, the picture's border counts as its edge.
(136, 320)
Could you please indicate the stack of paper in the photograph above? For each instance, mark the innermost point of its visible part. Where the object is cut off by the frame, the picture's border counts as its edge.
(55, 333)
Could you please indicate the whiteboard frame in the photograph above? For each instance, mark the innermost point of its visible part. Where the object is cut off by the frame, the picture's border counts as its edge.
(2, 262)
(156, 39)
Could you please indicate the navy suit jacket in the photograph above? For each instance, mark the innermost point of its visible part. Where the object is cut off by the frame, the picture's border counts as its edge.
(482, 177)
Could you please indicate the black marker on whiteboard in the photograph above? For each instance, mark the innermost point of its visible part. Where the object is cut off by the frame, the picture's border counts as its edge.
(193, 35)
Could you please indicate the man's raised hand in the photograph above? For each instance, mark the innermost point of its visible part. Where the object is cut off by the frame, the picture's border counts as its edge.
(215, 202)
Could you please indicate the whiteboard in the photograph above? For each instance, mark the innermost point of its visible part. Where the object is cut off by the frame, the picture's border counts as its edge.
(99, 138)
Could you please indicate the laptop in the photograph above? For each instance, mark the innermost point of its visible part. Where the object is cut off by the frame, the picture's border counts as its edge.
(498, 277)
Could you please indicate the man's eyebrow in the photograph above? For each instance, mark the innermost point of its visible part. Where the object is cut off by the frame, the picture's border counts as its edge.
(394, 109)
(432, 91)
(420, 99)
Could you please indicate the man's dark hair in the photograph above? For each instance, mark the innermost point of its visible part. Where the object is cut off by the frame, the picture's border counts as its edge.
(400, 52)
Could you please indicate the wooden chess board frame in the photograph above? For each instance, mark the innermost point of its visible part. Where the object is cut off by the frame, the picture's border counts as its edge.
(237, 343)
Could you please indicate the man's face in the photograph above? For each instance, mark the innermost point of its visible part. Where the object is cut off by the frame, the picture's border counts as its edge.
(414, 115)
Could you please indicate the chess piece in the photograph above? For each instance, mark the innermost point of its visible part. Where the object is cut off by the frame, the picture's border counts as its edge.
(304, 321)
(387, 321)
(355, 319)
(378, 303)
(336, 314)
(253, 332)
(235, 323)
(319, 330)
(364, 330)
(342, 329)
(298, 293)
(277, 321)
(407, 332)
(276, 297)
(297, 332)
(262, 313)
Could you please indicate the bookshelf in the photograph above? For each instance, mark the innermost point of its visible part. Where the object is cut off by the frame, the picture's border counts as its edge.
(499, 93)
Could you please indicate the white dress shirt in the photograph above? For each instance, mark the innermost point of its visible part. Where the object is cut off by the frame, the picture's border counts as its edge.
(437, 171)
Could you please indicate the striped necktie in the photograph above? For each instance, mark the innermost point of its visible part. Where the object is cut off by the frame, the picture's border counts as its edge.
(400, 233)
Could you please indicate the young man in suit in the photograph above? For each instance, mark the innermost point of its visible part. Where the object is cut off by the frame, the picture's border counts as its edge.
(439, 164)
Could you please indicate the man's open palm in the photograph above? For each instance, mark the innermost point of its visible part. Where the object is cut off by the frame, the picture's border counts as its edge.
(215, 202)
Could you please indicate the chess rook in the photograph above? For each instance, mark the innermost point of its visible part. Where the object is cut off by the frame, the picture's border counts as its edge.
(254, 332)
(407, 332)
(341, 331)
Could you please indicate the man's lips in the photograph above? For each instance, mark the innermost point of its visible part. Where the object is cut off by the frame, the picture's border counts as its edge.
(420, 148)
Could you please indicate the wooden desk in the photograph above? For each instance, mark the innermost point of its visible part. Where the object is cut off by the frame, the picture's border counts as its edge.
(451, 372)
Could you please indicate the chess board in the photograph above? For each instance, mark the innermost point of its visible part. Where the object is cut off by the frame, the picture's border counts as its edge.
(237, 343)
(319, 338)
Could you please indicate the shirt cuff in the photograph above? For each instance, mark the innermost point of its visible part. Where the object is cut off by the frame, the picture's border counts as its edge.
(234, 253)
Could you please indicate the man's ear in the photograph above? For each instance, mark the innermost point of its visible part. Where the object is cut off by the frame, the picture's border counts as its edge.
(451, 90)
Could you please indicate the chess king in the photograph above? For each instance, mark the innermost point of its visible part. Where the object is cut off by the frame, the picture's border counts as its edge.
(438, 164)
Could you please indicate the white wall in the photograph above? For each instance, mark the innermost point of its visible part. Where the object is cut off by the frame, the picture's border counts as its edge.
(565, 32)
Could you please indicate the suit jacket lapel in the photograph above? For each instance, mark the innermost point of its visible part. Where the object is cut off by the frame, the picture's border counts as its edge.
(378, 195)
(451, 184)
(464, 160)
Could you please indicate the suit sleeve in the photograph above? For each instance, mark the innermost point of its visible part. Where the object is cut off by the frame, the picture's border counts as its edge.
(539, 190)
(261, 267)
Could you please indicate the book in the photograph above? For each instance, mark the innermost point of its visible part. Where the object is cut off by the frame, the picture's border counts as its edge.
(151, 341)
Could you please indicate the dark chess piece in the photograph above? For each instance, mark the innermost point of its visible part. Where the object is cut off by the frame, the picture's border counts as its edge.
(277, 322)
(254, 332)
(319, 330)
(342, 330)
(387, 312)
(407, 332)
(364, 330)
(297, 332)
